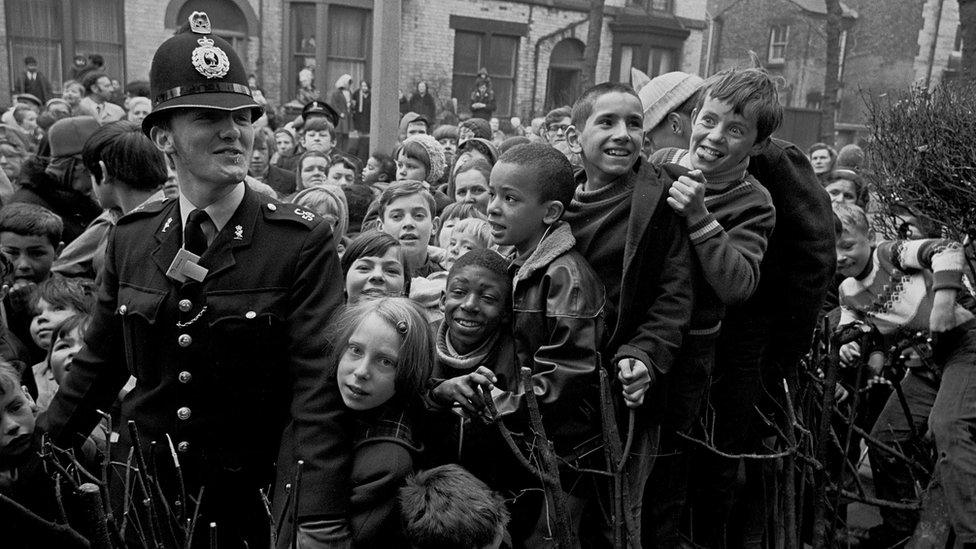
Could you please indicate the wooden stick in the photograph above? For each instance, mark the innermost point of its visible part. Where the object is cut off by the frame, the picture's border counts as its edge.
(94, 514)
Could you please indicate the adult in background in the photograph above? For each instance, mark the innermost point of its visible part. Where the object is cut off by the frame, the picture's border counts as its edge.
(72, 92)
(822, 158)
(97, 101)
(483, 97)
(423, 103)
(227, 346)
(361, 108)
(64, 184)
(33, 82)
(340, 98)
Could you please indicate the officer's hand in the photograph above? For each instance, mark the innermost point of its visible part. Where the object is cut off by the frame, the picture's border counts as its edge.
(636, 378)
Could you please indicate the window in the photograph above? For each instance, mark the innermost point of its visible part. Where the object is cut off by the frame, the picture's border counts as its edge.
(349, 44)
(329, 38)
(54, 31)
(779, 35)
(653, 5)
(490, 44)
(651, 60)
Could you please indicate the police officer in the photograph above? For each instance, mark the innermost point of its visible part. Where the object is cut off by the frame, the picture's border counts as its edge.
(216, 302)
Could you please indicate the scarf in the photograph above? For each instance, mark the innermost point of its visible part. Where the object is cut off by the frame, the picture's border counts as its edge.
(456, 361)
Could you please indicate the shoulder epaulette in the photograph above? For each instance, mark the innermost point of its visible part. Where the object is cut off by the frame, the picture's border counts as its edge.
(278, 211)
(147, 209)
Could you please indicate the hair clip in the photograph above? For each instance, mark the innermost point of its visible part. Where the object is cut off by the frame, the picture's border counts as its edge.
(401, 327)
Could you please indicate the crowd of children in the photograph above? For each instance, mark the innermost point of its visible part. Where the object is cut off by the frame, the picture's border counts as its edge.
(646, 234)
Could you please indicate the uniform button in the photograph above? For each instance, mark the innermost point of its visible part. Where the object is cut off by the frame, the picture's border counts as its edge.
(272, 207)
(185, 305)
(250, 315)
(122, 309)
(184, 340)
(183, 447)
(186, 377)
(183, 413)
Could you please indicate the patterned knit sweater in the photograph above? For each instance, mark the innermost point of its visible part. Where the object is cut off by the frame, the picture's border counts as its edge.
(729, 242)
(897, 289)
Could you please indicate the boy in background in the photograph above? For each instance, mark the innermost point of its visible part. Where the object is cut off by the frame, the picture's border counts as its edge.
(30, 237)
(729, 216)
(639, 248)
(318, 134)
(912, 286)
(406, 211)
(449, 507)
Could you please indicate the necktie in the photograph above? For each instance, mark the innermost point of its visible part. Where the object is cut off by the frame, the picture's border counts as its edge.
(194, 239)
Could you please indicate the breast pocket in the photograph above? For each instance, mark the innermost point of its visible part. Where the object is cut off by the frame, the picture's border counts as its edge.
(139, 312)
(248, 340)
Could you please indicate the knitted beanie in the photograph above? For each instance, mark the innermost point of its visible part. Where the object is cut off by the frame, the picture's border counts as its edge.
(438, 162)
(479, 126)
(665, 93)
(68, 135)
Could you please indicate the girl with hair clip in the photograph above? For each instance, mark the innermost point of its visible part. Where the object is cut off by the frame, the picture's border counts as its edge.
(374, 267)
(383, 352)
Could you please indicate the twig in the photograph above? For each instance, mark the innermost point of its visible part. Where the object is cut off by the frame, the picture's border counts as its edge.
(883, 503)
(789, 451)
(196, 515)
(564, 531)
(181, 503)
(507, 436)
(94, 513)
(297, 495)
(154, 523)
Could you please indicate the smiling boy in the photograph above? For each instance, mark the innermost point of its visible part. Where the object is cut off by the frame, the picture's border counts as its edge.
(729, 216)
(638, 247)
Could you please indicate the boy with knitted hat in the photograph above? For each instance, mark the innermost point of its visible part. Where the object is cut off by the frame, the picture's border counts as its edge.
(669, 101)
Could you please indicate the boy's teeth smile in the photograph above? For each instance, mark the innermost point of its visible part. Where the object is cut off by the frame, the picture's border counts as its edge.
(617, 152)
(708, 153)
(466, 323)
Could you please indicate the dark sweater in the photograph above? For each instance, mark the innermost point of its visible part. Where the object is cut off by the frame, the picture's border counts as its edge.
(598, 218)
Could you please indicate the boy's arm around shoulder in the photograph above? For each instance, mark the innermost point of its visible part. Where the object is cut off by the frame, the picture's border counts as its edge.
(730, 253)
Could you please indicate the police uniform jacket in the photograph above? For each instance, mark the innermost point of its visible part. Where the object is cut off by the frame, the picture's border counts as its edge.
(233, 368)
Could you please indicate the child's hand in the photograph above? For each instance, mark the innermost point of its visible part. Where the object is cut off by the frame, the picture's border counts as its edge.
(849, 352)
(636, 378)
(464, 389)
(20, 294)
(687, 196)
(943, 317)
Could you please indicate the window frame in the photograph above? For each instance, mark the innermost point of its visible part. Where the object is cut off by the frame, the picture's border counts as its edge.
(66, 44)
(290, 55)
(487, 30)
(782, 43)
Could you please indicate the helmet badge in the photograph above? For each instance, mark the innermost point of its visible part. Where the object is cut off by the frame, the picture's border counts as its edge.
(208, 59)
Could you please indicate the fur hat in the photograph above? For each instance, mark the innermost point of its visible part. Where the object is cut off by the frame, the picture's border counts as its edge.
(665, 93)
(438, 162)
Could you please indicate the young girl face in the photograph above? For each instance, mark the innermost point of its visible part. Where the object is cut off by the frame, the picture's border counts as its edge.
(367, 370)
(315, 170)
(461, 243)
(284, 144)
(444, 237)
(63, 352)
(47, 318)
(409, 168)
(471, 187)
(370, 277)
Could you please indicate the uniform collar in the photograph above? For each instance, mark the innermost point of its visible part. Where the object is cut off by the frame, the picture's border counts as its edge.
(220, 211)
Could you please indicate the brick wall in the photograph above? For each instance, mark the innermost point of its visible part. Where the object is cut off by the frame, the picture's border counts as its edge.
(6, 82)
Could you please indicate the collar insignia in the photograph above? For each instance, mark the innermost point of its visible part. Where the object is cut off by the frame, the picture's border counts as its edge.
(238, 233)
(307, 216)
(169, 221)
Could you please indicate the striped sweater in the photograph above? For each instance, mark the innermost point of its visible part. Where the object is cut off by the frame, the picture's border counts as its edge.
(729, 242)
(897, 289)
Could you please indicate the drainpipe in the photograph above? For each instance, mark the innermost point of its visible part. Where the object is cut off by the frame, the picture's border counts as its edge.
(935, 42)
(535, 57)
(261, 42)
